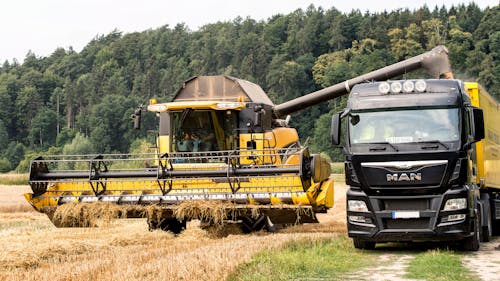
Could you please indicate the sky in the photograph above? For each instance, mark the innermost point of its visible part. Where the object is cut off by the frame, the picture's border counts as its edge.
(44, 25)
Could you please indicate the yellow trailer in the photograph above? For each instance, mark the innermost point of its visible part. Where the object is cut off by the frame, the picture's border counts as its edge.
(487, 150)
(487, 158)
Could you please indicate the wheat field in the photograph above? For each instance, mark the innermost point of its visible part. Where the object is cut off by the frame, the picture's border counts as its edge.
(33, 249)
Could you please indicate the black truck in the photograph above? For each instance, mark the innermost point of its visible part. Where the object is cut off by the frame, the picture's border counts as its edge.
(409, 150)
(416, 164)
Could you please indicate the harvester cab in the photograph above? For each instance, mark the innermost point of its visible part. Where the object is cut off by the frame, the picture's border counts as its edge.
(220, 156)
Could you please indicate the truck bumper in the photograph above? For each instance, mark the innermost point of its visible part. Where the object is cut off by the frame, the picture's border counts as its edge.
(410, 218)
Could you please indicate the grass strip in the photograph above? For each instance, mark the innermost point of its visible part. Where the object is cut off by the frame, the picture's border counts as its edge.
(439, 265)
(14, 179)
(328, 259)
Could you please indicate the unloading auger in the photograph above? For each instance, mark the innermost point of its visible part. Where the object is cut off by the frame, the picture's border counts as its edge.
(222, 155)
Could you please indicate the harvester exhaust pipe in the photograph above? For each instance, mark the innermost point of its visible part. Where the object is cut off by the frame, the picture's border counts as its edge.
(435, 62)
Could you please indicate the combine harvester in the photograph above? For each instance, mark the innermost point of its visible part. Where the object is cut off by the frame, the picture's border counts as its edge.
(222, 155)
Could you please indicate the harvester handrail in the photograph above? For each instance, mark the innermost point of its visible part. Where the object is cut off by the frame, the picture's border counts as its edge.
(179, 164)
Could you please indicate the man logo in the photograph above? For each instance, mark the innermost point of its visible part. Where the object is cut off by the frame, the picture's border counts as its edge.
(404, 177)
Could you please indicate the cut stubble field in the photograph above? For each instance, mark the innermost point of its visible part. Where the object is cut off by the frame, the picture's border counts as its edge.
(33, 249)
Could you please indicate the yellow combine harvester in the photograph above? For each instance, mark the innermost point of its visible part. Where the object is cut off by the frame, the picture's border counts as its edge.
(221, 143)
(217, 141)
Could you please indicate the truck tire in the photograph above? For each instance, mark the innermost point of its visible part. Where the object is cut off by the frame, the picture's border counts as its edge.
(363, 244)
(472, 243)
(495, 223)
(487, 230)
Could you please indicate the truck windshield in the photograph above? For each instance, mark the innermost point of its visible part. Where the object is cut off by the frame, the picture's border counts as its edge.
(404, 126)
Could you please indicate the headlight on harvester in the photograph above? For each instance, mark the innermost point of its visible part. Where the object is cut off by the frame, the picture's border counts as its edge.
(229, 105)
(455, 204)
(357, 206)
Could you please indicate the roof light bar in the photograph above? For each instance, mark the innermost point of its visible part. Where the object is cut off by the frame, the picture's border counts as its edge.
(408, 86)
(420, 86)
(384, 88)
(396, 87)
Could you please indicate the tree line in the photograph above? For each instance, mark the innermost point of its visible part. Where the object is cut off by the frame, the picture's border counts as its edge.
(81, 102)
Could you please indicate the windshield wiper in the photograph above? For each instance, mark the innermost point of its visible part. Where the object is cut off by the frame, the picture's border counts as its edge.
(433, 141)
(383, 148)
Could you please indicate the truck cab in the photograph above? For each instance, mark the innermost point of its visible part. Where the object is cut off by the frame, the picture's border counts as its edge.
(408, 162)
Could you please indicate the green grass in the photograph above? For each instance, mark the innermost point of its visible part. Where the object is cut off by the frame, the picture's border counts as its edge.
(439, 265)
(305, 260)
(14, 179)
(338, 177)
(337, 167)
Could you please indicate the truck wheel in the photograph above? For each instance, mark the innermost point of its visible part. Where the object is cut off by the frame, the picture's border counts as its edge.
(495, 224)
(363, 244)
(472, 243)
(487, 229)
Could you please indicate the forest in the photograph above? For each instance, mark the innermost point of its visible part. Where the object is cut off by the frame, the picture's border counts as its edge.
(80, 102)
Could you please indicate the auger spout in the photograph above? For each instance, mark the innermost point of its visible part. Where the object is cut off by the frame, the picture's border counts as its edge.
(435, 62)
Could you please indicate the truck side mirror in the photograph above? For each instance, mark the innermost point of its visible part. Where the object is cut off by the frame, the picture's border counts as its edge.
(137, 119)
(478, 119)
(335, 129)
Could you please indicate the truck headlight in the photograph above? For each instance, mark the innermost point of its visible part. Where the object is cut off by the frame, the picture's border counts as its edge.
(357, 206)
(455, 204)
(458, 217)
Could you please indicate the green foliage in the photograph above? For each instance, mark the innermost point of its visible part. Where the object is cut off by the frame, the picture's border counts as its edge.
(14, 153)
(110, 122)
(439, 265)
(43, 128)
(46, 100)
(65, 136)
(24, 164)
(79, 145)
(4, 137)
(4, 165)
(307, 259)
(140, 146)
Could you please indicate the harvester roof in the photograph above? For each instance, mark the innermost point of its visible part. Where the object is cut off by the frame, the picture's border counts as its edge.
(221, 88)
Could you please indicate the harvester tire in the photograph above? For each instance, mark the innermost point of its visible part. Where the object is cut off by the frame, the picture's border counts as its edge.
(172, 225)
(249, 225)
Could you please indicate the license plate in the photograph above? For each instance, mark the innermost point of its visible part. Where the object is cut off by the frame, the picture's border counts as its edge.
(405, 214)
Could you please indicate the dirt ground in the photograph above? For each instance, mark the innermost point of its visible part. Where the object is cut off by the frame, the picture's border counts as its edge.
(486, 262)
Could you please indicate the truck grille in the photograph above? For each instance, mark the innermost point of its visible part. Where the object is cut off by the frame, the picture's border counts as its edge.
(409, 205)
(422, 223)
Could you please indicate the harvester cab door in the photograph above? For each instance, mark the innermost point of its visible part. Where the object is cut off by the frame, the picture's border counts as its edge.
(202, 130)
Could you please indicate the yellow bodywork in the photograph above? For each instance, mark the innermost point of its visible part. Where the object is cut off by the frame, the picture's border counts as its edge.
(488, 150)
(273, 150)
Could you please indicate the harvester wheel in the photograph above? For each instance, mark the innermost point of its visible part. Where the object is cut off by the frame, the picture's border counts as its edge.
(172, 225)
(249, 225)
